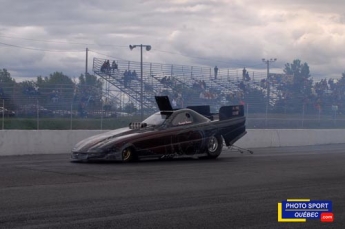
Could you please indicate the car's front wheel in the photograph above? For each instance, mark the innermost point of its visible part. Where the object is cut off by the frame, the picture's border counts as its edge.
(214, 146)
(127, 155)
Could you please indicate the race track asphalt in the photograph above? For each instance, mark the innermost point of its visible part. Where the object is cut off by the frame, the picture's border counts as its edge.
(234, 191)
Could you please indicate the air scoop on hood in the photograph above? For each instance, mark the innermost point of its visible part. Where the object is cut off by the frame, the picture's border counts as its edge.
(137, 125)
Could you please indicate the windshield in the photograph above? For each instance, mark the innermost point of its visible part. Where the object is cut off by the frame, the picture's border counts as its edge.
(157, 119)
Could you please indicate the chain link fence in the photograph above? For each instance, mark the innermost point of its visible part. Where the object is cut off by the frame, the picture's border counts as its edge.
(60, 107)
(35, 114)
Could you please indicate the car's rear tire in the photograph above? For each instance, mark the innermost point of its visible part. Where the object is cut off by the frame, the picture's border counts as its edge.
(128, 154)
(214, 146)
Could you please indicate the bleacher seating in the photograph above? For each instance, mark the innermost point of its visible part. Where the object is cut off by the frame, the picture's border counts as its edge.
(177, 81)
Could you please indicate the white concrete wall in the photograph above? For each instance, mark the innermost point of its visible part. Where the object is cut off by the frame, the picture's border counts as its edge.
(20, 142)
(257, 138)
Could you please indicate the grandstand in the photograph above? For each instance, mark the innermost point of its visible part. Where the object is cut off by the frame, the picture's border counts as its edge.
(185, 85)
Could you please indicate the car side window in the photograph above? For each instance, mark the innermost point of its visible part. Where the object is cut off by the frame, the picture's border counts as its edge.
(184, 118)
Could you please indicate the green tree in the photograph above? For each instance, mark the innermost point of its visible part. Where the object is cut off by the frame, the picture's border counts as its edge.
(89, 90)
(298, 93)
(302, 83)
(5, 77)
(29, 88)
(7, 85)
(56, 80)
(56, 90)
(341, 81)
(339, 92)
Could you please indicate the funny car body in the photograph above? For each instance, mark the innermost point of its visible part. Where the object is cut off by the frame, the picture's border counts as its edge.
(191, 131)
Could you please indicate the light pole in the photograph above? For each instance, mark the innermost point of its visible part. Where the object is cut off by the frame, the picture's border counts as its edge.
(148, 48)
(267, 80)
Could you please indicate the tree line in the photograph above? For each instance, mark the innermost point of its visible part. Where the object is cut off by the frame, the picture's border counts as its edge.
(57, 89)
(301, 91)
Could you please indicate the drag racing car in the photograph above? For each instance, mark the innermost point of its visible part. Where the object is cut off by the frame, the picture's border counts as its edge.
(168, 133)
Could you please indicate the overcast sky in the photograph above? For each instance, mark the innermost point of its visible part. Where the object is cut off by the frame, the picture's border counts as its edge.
(39, 37)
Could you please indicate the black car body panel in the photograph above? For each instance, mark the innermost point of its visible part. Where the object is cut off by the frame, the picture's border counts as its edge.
(167, 133)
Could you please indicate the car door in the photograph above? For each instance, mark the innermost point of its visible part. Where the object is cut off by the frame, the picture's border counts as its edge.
(154, 140)
(186, 138)
(154, 143)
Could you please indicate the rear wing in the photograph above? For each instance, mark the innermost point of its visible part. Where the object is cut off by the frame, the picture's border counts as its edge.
(225, 112)
(203, 110)
(228, 112)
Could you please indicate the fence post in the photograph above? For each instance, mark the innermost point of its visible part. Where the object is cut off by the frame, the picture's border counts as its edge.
(102, 116)
(3, 113)
(335, 109)
(38, 114)
(303, 116)
(71, 115)
(266, 115)
(151, 75)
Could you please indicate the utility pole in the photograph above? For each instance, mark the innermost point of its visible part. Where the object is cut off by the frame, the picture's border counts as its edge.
(267, 79)
(87, 53)
(148, 48)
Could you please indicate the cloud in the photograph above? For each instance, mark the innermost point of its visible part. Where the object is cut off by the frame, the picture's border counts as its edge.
(230, 34)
